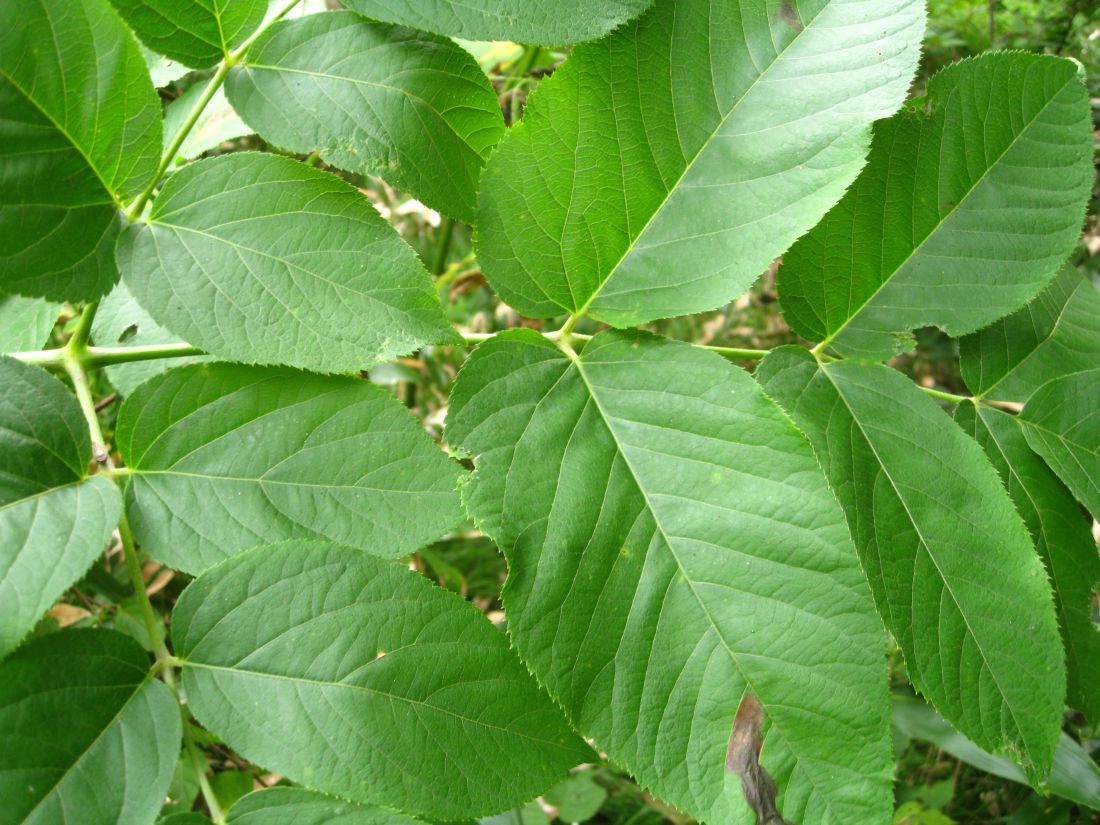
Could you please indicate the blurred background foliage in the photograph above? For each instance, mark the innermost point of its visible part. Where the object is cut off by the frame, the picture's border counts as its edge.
(941, 778)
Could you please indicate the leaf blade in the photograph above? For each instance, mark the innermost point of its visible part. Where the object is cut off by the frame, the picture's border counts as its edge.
(958, 218)
(930, 551)
(411, 107)
(261, 259)
(278, 454)
(54, 520)
(624, 167)
(488, 739)
(613, 556)
(81, 130)
(87, 730)
(197, 33)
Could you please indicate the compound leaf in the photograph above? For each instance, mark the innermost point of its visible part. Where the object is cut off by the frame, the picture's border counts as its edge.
(357, 676)
(1062, 538)
(80, 130)
(1062, 424)
(662, 169)
(89, 735)
(225, 457)
(259, 258)
(25, 323)
(970, 200)
(54, 519)
(299, 806)
(949, 560)
(411, 107)
(564, 21)
(197, 33)
(674, 554)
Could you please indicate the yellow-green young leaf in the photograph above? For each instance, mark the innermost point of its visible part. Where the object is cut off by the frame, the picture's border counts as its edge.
(197, 33)
(89, 736)
(299, 806)
(224, 457)
(1062, 538)
(121, 322)
(949, 560)
(1054, 335)
(411, 107)
(258, 258)
(971, 199)
(54, 520)
(1062, 424)
(660, 170)
(25, 323)
(357, 676)
(674, 552)
(551, 24)
(80, 130)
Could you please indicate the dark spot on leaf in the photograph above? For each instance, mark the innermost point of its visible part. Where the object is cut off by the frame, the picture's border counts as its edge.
(128, 333)
(743, 759)
(789, 15)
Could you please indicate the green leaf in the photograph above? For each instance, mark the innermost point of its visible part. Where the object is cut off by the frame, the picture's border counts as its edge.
(1062, 537)
(971, 199)
(950, 562)
(662, 169)
(298, 806)
(218, 123)
(259, 258)
(564, 21)
(229, 786)
(197, 33)
(25, 323)
(673, 551)
(1074, 775)
(89, 735)
(1054, 335)
(577, 799)
(80, 131)
(54, 520)
(224, 457)
(1062, 424)
(414, 108)
(357, 676)
(120, 321)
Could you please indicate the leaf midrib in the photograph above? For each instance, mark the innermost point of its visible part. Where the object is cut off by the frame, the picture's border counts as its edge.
(927, 548)
(691, 164)
(830, 337)
(826, 800)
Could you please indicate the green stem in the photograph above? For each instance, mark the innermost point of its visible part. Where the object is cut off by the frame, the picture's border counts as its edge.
(193, 116)
(198, 761)
(946, 396)
(439, 264)
(153, 626)
(94, 357)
